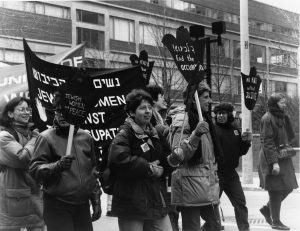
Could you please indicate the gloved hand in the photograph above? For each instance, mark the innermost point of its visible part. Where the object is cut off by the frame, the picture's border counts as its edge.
(156, 170)
(35, 133)
(247, 135)
(97, 211)
(276, 169)
(65, 162)
(202, 128)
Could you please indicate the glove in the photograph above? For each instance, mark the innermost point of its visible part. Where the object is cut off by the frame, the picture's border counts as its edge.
(202, 128)
(96, 203)
(156, 170)
(247, 135)
(276, 169)
(35, 133)
(176, 157)
(65, 162)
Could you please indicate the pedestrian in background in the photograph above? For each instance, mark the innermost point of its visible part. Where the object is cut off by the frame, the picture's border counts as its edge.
(19, 194)
(68, 182)
(138, 159)
(277, 176)
(195, 184)
(234, 145)
(160, 104)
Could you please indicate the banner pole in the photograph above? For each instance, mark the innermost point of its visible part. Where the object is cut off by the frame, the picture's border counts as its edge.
(198, 106)
(70, 139)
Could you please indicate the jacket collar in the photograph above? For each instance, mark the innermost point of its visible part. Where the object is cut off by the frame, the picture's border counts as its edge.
(139, 132)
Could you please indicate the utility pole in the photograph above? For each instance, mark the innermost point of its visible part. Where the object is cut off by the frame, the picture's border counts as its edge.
(247, 166)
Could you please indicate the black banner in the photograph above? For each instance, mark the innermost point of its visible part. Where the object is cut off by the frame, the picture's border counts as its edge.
(251, 86)
(186, 53)
(110, 85)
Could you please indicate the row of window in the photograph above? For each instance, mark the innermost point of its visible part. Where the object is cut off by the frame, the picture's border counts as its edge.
(227, 17)
(38, 8)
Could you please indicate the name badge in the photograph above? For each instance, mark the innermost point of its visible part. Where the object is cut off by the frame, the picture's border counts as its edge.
(145, 147)
(236, 132)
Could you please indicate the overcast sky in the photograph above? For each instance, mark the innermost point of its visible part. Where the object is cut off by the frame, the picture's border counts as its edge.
(291, 5)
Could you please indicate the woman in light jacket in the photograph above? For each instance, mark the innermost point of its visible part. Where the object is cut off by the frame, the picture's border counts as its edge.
(277, 176)
(138, 159)
(18, 191)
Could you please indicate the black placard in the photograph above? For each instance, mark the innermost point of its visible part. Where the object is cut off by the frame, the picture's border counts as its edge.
(251, 84)
(186, 53)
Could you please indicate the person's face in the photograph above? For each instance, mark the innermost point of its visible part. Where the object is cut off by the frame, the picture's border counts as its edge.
(21, 113)
(222, 117)
(161, 102)
(282, 103)
(60, 118)
(205, 101)
(143, 113)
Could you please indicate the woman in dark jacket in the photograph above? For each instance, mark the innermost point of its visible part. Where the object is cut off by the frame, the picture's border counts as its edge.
(18, 190)
(277, 176)
(137, 157)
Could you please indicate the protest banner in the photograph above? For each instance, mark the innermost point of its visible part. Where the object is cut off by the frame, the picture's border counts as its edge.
(111, 86)
(251, 84)
(13, 79)
(188, 56)
(146, 66)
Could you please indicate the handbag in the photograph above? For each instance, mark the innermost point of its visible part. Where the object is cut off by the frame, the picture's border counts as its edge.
(286, 151)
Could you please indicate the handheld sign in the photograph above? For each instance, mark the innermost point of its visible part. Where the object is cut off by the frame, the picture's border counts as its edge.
(251, 86)
(186, 53)
(146, 66)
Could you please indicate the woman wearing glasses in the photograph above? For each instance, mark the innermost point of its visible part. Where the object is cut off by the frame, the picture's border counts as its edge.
(18, 191)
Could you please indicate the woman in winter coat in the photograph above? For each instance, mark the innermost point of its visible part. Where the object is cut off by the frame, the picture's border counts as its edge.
(137, 158)
(277, 176)
(18, 191)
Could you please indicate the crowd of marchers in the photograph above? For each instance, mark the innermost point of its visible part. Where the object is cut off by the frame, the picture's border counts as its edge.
(160, 165)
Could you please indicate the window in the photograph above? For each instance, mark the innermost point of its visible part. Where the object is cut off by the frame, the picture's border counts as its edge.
(224, 49)
(89, 17)
(257, 53)
(122, 29)
(236, 50)
(280, 86)
(93, 38)
(147, 35)
(283, 58)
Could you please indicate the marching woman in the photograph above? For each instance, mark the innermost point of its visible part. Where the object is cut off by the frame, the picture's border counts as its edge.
(277, 175)
(20, 201)
(138, 159)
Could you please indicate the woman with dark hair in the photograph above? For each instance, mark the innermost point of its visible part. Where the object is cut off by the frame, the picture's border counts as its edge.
(277, 176)
(137, 158)
(17, 189)
(234, 145)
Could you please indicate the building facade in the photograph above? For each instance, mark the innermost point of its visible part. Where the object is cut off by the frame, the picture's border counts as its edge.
(113, 30)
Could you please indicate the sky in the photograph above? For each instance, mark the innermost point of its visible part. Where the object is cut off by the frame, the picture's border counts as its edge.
(290, 5)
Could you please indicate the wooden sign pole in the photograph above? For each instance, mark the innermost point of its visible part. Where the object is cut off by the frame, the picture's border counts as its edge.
(70, 140)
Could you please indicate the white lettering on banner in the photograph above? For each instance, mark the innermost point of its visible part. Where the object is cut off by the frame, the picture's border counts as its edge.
(111, 101)
(107, 82)
(14, 95)
(73, 63)
(47, 79)
(95, 118)
(190, 67)
(12, 80)
(45, 96)
(185, 48)
(104, 134)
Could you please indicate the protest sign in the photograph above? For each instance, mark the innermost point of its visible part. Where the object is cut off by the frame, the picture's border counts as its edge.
(186, 53)
(145, 65)
(251, 86)
(111, 86)
(13, 79)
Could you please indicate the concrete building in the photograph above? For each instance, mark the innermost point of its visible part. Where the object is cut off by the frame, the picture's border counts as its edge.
(115, 29)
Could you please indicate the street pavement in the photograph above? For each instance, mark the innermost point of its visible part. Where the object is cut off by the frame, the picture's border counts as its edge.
(255, 197)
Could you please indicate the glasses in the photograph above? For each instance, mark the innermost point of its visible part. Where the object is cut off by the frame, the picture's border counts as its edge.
(24, 110)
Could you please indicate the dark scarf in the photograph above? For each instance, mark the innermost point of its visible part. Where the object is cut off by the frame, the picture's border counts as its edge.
(277, 112)
(193, 121)
(22, 128)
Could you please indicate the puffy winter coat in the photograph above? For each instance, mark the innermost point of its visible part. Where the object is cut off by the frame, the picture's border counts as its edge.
(271, 127)
(136, 193)
(17, 189)
(75, 185)
(196, 185)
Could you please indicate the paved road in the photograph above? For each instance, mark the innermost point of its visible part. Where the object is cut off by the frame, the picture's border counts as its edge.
(255, 199)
